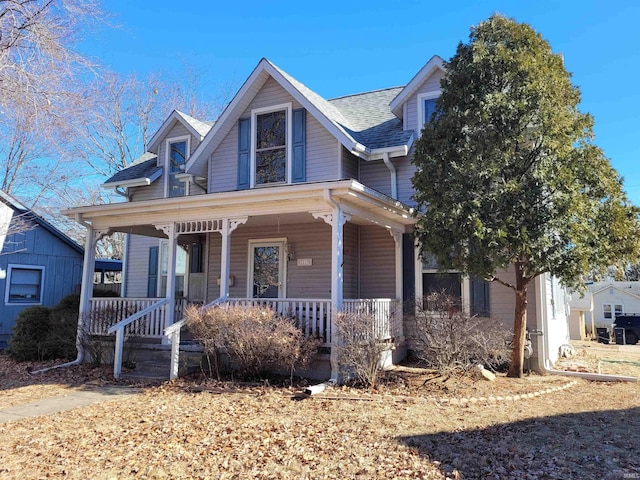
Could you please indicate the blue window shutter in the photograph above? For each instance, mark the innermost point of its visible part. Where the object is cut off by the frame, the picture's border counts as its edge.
(479, 297)
(244, 149)
(152, 279)
(299, 169)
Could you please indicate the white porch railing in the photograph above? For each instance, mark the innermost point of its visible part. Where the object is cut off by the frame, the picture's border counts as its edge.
(386, 314)
(312, 316)
(138, 317)
(108, 311)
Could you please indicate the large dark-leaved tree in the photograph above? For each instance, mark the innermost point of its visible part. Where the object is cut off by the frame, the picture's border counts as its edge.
(507, 174)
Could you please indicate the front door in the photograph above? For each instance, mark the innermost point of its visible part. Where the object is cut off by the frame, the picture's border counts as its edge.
(267, 275)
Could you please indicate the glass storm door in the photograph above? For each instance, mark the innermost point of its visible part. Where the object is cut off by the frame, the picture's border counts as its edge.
(267, 270)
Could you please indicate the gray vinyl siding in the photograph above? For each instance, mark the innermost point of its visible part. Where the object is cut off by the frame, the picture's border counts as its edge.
(223, 164)
(37, 247)
(502, 299)
(137, 265)
(309, 240)
(376, 175)
(350, 165)
(377, 263)
(429, 85)
(322, 152)
(150, 192)
(404, 171)
(321, 149)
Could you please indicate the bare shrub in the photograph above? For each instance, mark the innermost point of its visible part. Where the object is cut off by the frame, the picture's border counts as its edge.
(359, 349)
(450, 340)
(259, 342)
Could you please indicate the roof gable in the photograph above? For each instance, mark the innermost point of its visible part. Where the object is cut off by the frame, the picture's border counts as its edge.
(23, 210)
(628, 288)
(434, 63)
(324, 111)
(197, 128)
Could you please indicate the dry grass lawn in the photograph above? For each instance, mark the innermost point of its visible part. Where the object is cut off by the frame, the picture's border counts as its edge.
(407, 429)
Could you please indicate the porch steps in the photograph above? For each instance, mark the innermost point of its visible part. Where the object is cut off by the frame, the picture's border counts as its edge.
(152, 362)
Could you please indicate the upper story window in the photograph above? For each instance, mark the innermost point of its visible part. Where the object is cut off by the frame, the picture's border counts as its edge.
(271, 144)
(426, 107)
(177, 154)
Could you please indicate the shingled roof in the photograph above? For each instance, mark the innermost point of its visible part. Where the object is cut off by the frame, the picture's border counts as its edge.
(371, 121)
(144, 169)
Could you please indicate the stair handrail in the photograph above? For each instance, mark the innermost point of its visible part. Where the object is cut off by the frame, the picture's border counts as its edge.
(172, 332)
(119, 327)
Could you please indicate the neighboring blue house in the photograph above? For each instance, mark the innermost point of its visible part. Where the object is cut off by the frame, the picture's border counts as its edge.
(39, 265)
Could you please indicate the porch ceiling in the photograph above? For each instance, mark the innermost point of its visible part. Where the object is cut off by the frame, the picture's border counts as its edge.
(287, 204)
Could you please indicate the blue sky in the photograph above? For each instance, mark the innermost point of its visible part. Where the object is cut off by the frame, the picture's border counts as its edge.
(339, 48)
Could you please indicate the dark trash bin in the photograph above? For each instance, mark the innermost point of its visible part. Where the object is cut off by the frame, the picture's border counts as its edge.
(603, 335)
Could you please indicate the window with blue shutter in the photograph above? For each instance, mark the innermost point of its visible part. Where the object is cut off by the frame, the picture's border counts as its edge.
(152, 276)
(244, 153)
(298, 168)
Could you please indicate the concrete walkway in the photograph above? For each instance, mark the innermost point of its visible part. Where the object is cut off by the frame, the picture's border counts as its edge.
(73, 399)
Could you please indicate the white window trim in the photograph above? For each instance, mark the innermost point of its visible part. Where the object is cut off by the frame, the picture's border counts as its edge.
(167, 153)
(282, 242)
(288, 107)
(421, 98)
(613, 310)
(10, 268)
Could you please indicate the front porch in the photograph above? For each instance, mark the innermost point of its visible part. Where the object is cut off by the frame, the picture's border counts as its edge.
(308, 252)
(312, 316)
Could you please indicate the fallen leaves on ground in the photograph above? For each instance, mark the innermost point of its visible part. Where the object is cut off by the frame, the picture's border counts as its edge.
(201, 429)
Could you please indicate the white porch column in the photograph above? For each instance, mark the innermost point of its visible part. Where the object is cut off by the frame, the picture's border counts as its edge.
(337, 218)
(397, 329)
(86, 288)
(228, 226)
(170, 231)
(88, 270)
(397, 238)
(418, 276)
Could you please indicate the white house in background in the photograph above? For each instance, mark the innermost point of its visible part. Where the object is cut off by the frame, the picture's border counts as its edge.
(611, 299)
(294, 201)
(581, 321)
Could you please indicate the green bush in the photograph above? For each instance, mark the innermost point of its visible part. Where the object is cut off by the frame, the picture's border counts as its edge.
(61, 342)
(42, 333)
(30, 334)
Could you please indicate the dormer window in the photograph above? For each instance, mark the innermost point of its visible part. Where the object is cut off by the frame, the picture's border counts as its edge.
(426, 107)
(271, 133)
(177, 154)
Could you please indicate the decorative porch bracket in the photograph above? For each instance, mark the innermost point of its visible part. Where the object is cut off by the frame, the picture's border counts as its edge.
(228, 226)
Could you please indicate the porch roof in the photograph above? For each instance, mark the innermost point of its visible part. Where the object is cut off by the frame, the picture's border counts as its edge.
(362, 203)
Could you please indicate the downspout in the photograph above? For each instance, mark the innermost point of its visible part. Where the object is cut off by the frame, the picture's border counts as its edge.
(394, 175)
(81, 328)
(542, 346)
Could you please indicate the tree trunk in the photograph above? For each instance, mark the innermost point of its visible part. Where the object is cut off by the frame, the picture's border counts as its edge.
(519, 324)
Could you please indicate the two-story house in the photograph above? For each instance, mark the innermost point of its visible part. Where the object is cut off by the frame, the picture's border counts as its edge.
(292, 200)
